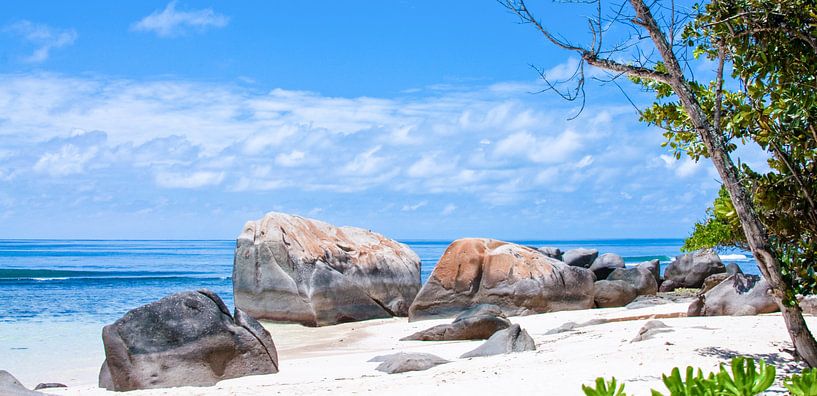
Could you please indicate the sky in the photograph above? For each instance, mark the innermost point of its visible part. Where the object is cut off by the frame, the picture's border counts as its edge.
(416, 119)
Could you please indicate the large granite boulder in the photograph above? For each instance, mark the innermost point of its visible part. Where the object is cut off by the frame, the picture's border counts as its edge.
(605, 264)
(614, 293)
(185, 339)
(517, 279)
(653, 266)
(690, 270)
(291, 269)
(713, 280)
(477, 323)
(580, 257)
(640, 278)
(737, 295)
(10, 386)
(733, 268)
(511, 340)
(552, 252)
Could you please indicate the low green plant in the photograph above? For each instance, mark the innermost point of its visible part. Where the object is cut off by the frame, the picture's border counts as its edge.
(803, 384)
(743, 380)
(604, 388)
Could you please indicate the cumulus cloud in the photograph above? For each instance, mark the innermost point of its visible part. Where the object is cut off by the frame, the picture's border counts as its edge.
(412, 208)
(448, 209)
(45, 38)
(69, 159)
(171, 22)
(188, 180)
(293, 158)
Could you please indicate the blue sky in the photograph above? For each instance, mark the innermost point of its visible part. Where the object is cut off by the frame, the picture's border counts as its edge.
(415, 119)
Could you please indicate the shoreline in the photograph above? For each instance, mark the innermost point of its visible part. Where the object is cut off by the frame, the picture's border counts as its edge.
(335, 358)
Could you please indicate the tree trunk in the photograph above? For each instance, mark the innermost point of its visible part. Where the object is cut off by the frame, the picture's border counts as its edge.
(756, 234)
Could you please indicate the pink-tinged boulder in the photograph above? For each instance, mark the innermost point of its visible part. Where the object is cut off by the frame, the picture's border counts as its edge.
(292, 269)
(518, 279)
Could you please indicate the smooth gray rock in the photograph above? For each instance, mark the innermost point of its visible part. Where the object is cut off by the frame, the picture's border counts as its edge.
(477, 323)
(667, 286)
(570, 326)
(605, 264)
(512, 339)
(185, 339)
(690, 270)
(733, 268)
(614, 293)
(641, 279)
(293, 269)
(403, 362)
(650, 329)
(580, 257)
(10, 386)
(654, 266)
(737, 295)
(713, 280)
(518, 279)
(50, 385)
(552, 252)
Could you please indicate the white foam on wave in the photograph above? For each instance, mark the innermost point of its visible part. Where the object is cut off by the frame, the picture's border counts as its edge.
(733, 257)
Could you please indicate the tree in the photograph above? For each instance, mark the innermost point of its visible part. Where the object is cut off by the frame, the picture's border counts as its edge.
(701, 119)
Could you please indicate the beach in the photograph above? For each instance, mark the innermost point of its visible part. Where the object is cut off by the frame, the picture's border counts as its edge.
(335, 358)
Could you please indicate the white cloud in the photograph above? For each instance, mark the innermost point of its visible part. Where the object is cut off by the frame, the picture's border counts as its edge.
(449, 209)
(365, 163)
(429, 166)
(540, 149)
(586, 161)
(412, 208)
(69, 159)
(44, 37)
(171, 22)
(188, 180)
(293, 158)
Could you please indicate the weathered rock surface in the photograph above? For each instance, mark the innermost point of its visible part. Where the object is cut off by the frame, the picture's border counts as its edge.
(185, 339)
(580, 257)
(517, 279)
(808, 304)
(733, 268)
(512, 339)
(653, 266)
(713, 280)
(605, 264)
(690, 270)
(477, 323)
(10, 386)
(737, 295)
(667, 286)
(402, 362)
(650, 329)
(570, 326)
(552, 252)
(614, 293)
(641, 279)
(292, 269)
(49, 385)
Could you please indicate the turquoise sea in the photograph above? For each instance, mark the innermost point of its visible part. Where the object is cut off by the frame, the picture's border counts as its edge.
(97, 281)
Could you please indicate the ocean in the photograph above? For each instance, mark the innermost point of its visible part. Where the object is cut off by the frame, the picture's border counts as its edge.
(97, 281)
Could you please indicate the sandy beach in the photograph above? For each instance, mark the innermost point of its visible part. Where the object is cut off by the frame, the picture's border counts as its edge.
(335, 358)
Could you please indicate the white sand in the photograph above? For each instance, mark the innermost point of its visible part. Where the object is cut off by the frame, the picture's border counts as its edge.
(334, 359)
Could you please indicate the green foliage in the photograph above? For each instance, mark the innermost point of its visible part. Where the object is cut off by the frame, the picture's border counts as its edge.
(721, 228)
(742, 380)
(604, 388)
(803, 384)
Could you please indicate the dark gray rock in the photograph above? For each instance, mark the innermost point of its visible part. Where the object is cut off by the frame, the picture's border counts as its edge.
(10, 386)
(690, 270)
(667, 286)
(50, 385)
(640, 278)
(512, 339)
(713, 280)
(477, 323)
(737, 295)
(580, 257)
(733, 269)
(185, 339)
(402, 362)
(650, 329)
(654, 266)
(614, 293)
(551, 252)
(659, 299)
(605, 264)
